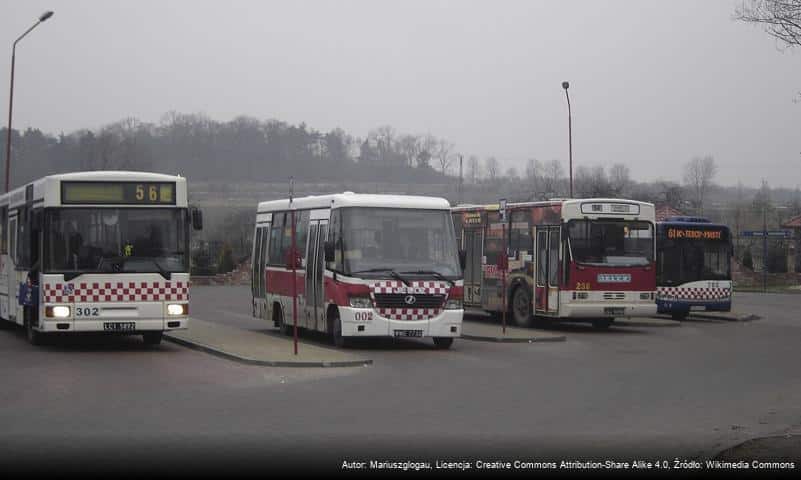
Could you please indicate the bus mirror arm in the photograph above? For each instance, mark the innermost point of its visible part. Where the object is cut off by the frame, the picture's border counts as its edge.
(328, 248)
(462, 259)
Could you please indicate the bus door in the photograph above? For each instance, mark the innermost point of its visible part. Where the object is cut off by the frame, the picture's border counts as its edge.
(474, 249)
(314, 311)
(546, 263)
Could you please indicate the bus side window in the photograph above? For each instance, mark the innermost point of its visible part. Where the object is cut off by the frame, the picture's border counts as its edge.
(335, 237)
(12, 239)
(301, 231)
(276, 232)
(4, 230)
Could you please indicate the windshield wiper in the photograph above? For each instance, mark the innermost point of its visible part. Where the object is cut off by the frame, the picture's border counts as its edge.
(391, 271)
(435, 273)
(164, 273)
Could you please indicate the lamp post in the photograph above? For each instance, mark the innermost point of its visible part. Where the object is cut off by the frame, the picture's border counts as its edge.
(42, 18)
(566, 85)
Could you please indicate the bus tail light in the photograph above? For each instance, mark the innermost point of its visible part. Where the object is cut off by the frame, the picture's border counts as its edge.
(57, 311)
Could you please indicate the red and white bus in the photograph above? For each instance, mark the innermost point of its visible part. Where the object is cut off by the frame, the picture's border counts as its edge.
(365, 266)
(587, 259)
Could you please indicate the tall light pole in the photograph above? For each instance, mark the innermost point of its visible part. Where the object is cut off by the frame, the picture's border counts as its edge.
(566, 85)
(42, 18)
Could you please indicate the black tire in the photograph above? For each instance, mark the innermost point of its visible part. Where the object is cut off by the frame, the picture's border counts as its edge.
(285, 328)
(336, 332)
(34, 337)
(443, 343)
(602, 323)
(152, 338)
(681, 315)
(520, 307)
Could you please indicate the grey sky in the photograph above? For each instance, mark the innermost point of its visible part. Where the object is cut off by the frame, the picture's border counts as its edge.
(653, 83)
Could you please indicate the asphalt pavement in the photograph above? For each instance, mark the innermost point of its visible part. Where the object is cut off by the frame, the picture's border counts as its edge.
(632, 391)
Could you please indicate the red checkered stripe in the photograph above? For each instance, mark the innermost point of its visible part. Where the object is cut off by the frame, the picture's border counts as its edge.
(695, 293)
(409, 313)
(429, 287)
(116, 292)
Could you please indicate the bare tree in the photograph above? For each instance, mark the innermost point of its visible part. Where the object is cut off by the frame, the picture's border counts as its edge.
(619, 180)
(698, 175)
(491, 166)
(442, 152)
(428, 145)
(511, 173)
(409, 146)
(591, 182)
(552, 176)
(473, 167)
(781, 19)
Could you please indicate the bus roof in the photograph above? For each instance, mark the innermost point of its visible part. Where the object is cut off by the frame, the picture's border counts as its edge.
(45, 187)
(350, 199)
(547, 203)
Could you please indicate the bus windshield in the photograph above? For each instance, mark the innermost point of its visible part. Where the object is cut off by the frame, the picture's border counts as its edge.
(611, 242)
(691, 260)
(398, 239)
(124, 240)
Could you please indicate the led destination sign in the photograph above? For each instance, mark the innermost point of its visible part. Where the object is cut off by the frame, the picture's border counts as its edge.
(139, 193)
(695, 234)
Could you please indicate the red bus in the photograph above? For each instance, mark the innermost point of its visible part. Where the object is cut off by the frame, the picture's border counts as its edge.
(578, 259)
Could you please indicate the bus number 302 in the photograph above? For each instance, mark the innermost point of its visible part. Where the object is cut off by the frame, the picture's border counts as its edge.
(86, 311)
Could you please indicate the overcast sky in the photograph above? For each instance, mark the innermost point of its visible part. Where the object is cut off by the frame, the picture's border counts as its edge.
(652, 83)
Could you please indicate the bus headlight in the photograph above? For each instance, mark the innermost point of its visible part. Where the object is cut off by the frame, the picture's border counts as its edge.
(453, 304)
(58, 311)
(175, 309)
(360, 302)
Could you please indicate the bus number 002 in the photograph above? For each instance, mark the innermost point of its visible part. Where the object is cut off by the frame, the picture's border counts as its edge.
(363, 316)
(86, 311)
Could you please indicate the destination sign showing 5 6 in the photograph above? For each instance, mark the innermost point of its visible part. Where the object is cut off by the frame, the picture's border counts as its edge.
(158, 193)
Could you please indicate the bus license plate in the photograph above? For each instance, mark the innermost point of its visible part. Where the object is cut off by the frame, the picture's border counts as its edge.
(119, 326)
(614, 310)
(408, 333)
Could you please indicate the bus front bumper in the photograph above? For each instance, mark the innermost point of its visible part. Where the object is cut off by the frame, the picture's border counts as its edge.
(606, 309)
(366, 322)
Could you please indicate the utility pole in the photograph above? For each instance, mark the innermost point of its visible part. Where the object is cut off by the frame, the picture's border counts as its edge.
(461, 181)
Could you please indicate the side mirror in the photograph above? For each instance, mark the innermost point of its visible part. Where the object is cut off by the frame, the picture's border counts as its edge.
(328, 247)
(462, 259)
(197, 218)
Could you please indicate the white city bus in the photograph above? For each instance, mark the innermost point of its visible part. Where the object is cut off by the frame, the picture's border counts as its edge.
(366, 266)
(96, 252)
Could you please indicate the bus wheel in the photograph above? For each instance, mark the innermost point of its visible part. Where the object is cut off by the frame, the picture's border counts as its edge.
(34, 337)
(336, 332)
(602, 323)
(152, 338)
(521, 307)
(443, 343)
(679, 315)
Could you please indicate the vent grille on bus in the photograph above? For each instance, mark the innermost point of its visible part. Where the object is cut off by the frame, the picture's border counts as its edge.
(398, 300)
(614, 295)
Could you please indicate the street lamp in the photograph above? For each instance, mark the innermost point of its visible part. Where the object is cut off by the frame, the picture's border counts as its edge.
(42, 18)
(566, 85)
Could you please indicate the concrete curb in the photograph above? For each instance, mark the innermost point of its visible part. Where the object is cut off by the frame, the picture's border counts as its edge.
(635, 323)
(500, 339)
(266, 363)
(740, 318)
